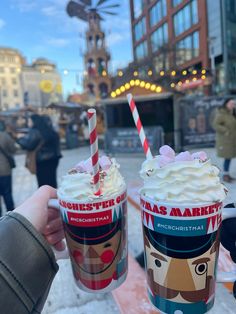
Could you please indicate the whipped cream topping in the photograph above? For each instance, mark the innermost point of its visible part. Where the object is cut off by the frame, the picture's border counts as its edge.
(78, 183)
(181, 178)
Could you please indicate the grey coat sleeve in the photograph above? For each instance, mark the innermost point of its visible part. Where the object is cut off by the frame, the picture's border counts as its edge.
(27, 266)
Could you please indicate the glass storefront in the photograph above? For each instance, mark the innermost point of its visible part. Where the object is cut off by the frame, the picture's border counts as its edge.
(159, 37)
(176, 2)
(140, 29)
(187, 48)
(141, 51)
(158, 12)
(186, 18)
(138, 7)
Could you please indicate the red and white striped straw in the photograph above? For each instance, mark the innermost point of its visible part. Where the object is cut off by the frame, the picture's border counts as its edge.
(139, 127)
(92, 123)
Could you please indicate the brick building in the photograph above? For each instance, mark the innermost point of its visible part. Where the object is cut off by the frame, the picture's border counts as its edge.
(170, 40)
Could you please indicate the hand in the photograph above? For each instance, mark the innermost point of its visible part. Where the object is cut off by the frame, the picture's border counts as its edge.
(46, 220)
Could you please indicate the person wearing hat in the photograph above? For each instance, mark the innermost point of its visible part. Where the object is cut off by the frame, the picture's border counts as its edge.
(7, 150)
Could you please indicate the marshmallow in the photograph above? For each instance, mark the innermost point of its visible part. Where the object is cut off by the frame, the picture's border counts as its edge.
(167, 151)
(200, 155)
(184, 156)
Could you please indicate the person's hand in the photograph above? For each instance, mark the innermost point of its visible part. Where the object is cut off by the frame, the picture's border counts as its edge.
(46, 220)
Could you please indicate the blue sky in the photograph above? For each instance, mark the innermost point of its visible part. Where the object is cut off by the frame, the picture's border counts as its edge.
(41, 28)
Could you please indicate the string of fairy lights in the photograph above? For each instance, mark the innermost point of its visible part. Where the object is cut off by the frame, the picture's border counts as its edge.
(177, 78)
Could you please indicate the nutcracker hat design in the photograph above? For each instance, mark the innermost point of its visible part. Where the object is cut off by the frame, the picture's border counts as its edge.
(94, 235)
(180, 247)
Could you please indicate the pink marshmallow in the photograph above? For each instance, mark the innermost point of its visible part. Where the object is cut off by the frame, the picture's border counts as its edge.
(80, 166)
(104, 162)
(164, 160)
(184, 156)
(200, 155)
(167, 151)
(88, 165)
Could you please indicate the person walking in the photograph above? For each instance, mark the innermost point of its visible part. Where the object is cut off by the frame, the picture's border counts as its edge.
(44, 141)
(7, 150)
(225, 126)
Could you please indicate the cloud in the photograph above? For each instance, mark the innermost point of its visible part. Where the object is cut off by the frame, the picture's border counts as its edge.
(24, 5)
(58, 42)
(50, 11)
(2, 23)
(114, 39)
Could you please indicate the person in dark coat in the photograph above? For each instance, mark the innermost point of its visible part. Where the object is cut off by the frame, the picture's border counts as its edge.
(225, 127)
(7, 150)
(43, 138)
(28, 264)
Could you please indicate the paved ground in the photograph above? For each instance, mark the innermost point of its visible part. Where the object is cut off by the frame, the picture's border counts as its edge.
(64, 297)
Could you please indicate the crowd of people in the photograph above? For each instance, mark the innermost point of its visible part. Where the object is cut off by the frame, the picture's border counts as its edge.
(42, 147)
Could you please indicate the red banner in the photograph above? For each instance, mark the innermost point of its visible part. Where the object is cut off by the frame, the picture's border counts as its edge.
(91, 219)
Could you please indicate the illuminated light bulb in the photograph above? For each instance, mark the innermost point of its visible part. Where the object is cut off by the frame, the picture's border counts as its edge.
(137, 82)
(65, 72)
(153, 87)
(113, 94)
(187, 81)
(194, 79)
(172, 85)
(120, 73)
(203, 71)
(180, 83)
(18, 70)
(184, 72)
(162, 73)
(203, 77)
(173, 73)
(122, 89)
(127, 86)
(147, 85)
(135, 73)
(142, 84)
(158, 89)
(150, 72)
(104, 73)
(194, 72)
(132, 82)
(118, 92)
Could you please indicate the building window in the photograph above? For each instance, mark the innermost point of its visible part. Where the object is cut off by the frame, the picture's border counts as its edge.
(141, 51)
(159, 38)
(4, 93)
(1, 70)
(14, 81)
(15, 93)
(176, 2)
(138, 7)
(187, 48)
(140, 29)
(3, 80)
(12, 70)
(158, 12)
(185, 18)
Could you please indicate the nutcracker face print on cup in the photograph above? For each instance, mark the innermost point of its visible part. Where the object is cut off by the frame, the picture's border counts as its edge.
(181, 203)
(95, 226)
